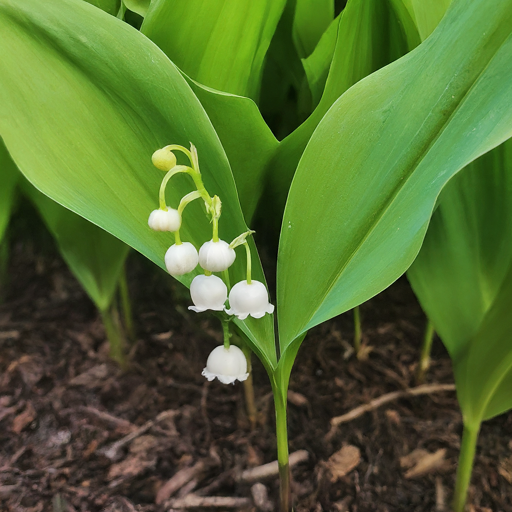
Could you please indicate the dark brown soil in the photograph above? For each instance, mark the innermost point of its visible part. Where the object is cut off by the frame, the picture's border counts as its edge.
(63, 403)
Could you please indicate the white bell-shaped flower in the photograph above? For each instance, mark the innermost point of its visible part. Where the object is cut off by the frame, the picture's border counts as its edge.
(165, 220)
(181, 259)
(249, 299)
(216, 256)
(208, 292)
(226, 364)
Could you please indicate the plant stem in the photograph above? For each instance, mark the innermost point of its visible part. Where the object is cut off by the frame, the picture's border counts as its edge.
(249, 262)
(357, 330)
(250, 402)
(466, 458)
(227, 334)
(115, 335)
(424, 363)
(126, 306)
(161, 194)
(282, 449)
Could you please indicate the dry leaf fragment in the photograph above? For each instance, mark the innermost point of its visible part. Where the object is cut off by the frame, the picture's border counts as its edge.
(505, 469)
(297, 399)
(409, 460)
(343, 462)
(24, 419)
(425, 462)
(130, 467)
(92, 377)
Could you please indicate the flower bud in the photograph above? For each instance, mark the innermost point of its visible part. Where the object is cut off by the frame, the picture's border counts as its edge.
(164, 220)
(226, 364)
(216, 256)
(249, 299)
(163, 159)
(208, 292)
(181, 259)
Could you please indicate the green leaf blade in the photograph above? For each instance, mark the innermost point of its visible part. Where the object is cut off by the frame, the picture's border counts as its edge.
(375, 165)
(95, 257)
(83, 133)
(221, 44)
(463, 279)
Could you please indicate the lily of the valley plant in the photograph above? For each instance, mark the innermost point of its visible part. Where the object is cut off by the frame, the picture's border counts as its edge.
(397, 96)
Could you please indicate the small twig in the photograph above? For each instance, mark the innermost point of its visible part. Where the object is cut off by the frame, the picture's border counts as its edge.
(123, 425)
(204, 410)
(271, 469)
(384, 399)
(193, 501)
(440, 496)
(113, 451)
(178, 480)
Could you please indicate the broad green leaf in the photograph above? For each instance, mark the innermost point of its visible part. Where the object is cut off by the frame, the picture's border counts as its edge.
(95, 257)
(311, 19)
(369, 37)
(110, 6)
(483, 374)
(219, 43)
(426, 15)
(317, 64)
(366, 185)
(246, 138)
(283, 76)
(83, 133)
(463, 279)
(139, 6)
(8, 180)
(407, 22)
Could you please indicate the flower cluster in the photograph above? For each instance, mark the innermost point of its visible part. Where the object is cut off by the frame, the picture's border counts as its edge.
(208, 291)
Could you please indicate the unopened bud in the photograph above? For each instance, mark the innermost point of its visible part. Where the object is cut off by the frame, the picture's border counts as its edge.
(163, 159)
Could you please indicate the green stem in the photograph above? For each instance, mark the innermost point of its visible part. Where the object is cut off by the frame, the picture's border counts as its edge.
(176, 147)
(215, 222)
(177, 238)
(225, 275)
(227, 334)
(115, 335)
(175, 170)
(357, 330)
(466, 459)
(249, 263)
(187, 199)
(282, 449)
(424, 363)
(126, 305)
(250, 402)
(198, 182)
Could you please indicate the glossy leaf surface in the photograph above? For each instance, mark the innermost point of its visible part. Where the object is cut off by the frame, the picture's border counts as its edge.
(426, 15)
(317, 64)
(219, 43)
(374, 167)
(463, 279)
(139, 6)
(311, 19)
(95, 257)
(246, 138)
(105, 98)
(110, 6)
(369, 37)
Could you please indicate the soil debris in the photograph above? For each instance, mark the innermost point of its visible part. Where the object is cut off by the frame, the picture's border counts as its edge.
(343, 462)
